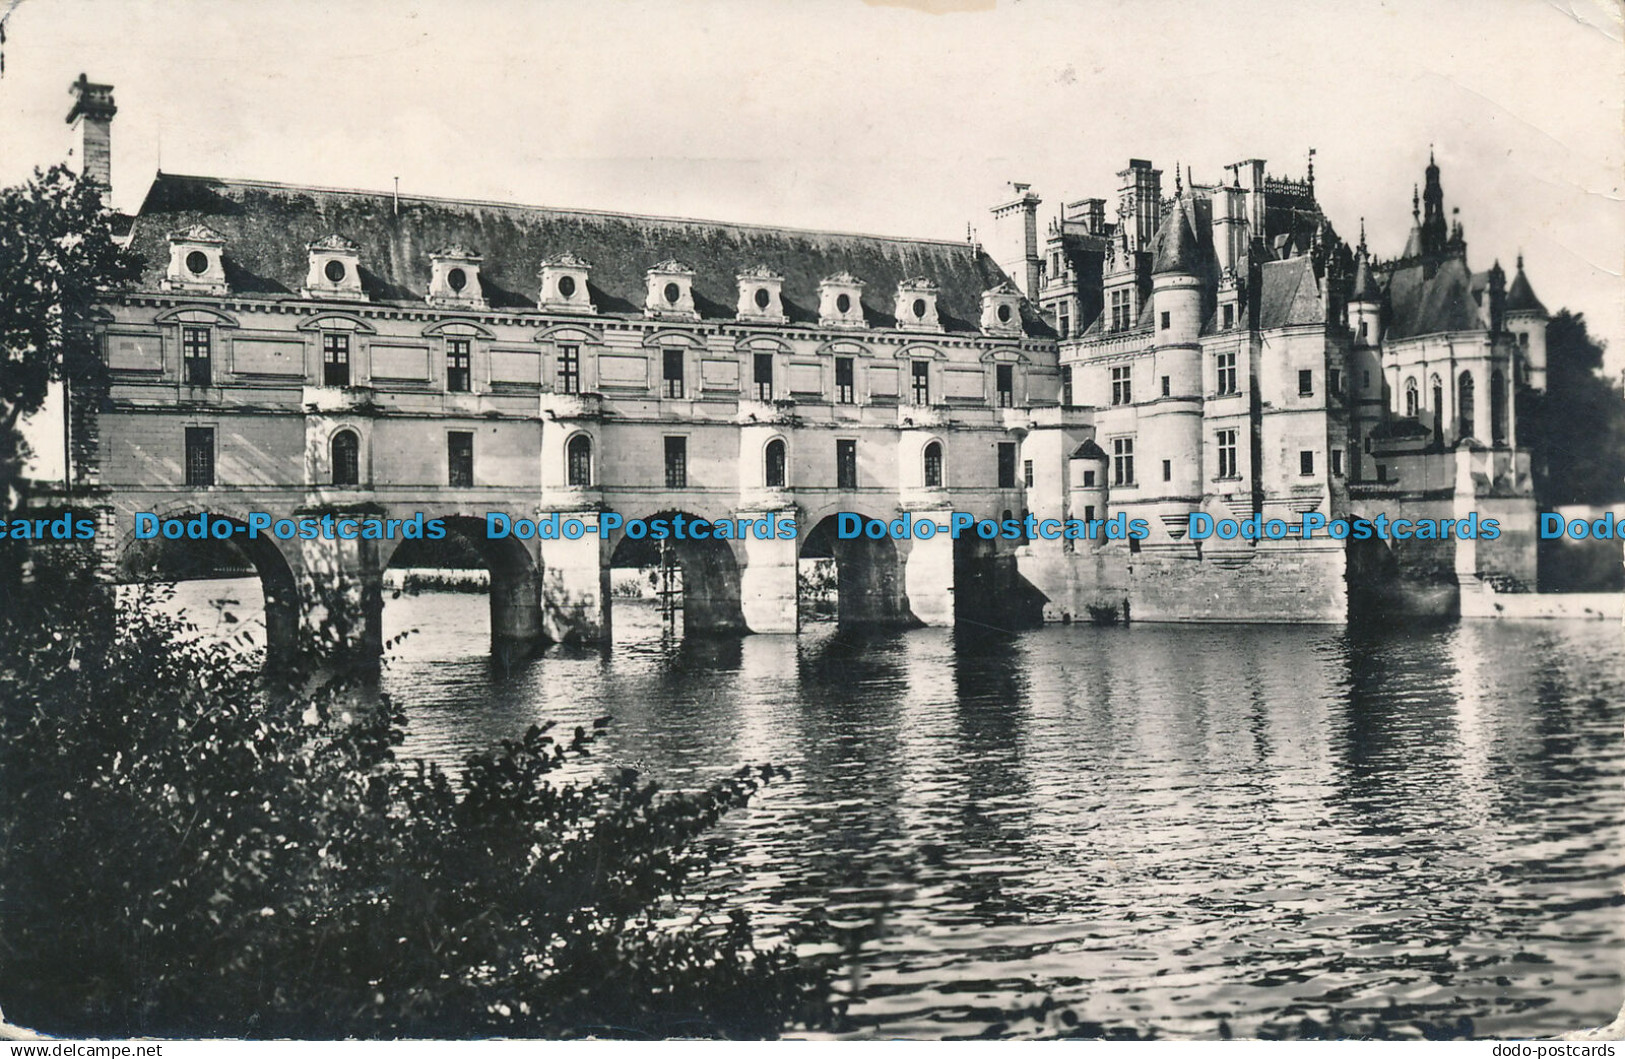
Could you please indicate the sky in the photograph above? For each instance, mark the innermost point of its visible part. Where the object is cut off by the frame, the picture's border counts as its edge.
(901, 117)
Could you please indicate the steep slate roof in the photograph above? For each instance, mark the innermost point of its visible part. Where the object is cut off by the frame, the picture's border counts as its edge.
(1521, 296)
(267, 226)
(1289, 294)
(1422, 305)
(1365, 287)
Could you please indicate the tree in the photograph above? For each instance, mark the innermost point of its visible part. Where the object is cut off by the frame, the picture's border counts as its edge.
(1576, 429)
(58, 256)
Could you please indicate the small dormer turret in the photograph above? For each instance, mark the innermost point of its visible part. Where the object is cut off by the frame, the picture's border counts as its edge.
(840, 301)
(454, 282)
(917, 305)
(197, 261)
(335, 269)
(670, 292)
(761, 298)
(1001, 310)
(563, 284)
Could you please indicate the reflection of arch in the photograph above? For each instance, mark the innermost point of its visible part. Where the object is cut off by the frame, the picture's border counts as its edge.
(710, 590)
(1464, 403)
(516, 616)
(578, 461)
(869, 575)
(932, 457)
(161, 559)
(775, 465)
(344, 457)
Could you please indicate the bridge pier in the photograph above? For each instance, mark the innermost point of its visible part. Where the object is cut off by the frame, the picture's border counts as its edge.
(340, 602)
(573, 603)
(928, 578)
(767, 584)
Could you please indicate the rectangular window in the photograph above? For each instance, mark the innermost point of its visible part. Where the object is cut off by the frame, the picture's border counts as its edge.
(1334, 381)
(569, 369)
(1229, 316)
(1066, 324)
(199, 455)
(1337, 462)
(1166, 382)
(195, 351)
(1088, 479)
(1227, 454)
(1007, 465)
(1167, 470)
(1227, 373)
(1382, 473)
(1027, 473)
(1123, 461)
(1365, 380)
(335, 359)
(1005, 383)
(1121, 305)
(1306, 383)
(762, 374)
(1066, 386)
(920, 371)
(671, 371)
(676, 463)
(1088, 512)
(1165, 320)
(845, 390)
(1306, 462)
(846, 463)
(1122, 388)
(458, 361)
(460, 459)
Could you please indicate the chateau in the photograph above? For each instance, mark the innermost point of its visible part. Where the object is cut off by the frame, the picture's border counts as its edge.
(1219, 350)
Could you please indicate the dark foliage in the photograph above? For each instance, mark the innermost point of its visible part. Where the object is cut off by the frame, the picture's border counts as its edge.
(183, 853)
(1576, 429)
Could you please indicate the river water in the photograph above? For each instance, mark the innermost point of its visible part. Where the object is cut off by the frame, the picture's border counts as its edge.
(1155, 827)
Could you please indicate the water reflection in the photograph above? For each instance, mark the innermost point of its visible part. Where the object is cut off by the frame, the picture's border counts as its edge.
(1158, 827)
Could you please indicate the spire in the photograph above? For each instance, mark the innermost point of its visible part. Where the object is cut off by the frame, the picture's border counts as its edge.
(1416, 205)
(1434, 232)
(1311, 170)
(1179, 186)
(1362, 236)
(1365, 286)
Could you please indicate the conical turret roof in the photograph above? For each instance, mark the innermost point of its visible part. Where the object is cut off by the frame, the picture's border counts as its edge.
(1521, 296)
(1365, 285)
(1175, 245)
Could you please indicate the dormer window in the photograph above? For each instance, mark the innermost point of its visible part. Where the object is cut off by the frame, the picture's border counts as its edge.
(760, 296)
(196, 261)
(1001, 310)
(454, 280)
(564, 285)
(917, 305)
(335, 269)
(670, 292)
(840, 301)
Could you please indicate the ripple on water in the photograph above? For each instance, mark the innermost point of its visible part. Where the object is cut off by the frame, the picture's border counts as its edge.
(1158, 827)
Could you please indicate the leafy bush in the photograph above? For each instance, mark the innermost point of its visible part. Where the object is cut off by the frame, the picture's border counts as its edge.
(184, 851)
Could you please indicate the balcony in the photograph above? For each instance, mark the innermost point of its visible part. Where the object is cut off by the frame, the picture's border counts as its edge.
(339, 399)
(780, 411)
(923, 417)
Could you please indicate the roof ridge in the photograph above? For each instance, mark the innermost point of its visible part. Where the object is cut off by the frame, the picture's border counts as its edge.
(579, 211)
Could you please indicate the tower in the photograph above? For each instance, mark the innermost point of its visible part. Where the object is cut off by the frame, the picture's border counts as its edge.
(1170, 423)
(91, 121)
(1434, 231)
(1527, 318)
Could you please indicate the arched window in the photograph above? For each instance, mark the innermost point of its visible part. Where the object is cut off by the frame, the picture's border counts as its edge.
(346, 456)
(1464, 401)
(775, 464)
(933, 465)
(1411, 399)
(1498, 408)
(578, 461)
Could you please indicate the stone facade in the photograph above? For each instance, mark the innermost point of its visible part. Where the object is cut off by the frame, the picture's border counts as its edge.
(1221, 351)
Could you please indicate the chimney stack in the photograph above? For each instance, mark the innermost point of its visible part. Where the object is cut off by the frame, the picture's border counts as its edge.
(92, 121)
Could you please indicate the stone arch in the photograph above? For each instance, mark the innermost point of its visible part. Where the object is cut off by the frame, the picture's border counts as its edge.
(165, 559)
(711, 598)
(869, 574)
(515, 583)
(1464, 406)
